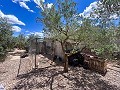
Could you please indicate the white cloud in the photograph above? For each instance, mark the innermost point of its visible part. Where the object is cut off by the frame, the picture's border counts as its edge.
(1, 14)
(36, 33)
(27, 31)
(89, 12)
(39, 34)
(23, 4)
(16, 29)
(11, 19)
(15, 1)
(49, 5)
(41, 4)
(90, 9)
(31, 11)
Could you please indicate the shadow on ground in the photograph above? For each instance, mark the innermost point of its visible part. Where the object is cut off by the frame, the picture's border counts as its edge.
(52, 78)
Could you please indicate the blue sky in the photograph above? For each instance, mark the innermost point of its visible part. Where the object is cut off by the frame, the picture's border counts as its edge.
(22, 14)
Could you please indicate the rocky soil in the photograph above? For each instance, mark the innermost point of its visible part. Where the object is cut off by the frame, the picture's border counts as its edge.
(50, 76)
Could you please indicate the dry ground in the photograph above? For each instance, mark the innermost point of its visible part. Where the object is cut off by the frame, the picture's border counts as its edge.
(51, 77)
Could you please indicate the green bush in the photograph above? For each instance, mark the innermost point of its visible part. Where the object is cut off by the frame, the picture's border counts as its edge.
(2, 54)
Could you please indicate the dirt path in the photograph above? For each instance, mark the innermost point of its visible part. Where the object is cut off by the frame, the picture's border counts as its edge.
(51, 77)
(113, 74)
(9, 69)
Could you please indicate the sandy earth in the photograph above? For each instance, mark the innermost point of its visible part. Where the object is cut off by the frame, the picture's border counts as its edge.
(51, 77)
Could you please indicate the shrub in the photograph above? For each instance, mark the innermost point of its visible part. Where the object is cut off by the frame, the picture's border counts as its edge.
(2, 54)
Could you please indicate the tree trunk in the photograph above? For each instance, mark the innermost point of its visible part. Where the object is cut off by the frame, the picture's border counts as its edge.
(53, 52)
(66, 63)
(65, 59)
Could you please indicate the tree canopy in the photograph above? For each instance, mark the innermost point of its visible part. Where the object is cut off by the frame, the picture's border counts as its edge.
(61, 23)
(113, 6)
(5, 35)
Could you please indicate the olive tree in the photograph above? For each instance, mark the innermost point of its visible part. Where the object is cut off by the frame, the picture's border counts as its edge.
(112, 6)
(59, 22)
(5, 32)
(5, 35)
(101, 32)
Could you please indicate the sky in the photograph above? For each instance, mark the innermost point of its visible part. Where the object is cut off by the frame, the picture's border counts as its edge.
(22, 14)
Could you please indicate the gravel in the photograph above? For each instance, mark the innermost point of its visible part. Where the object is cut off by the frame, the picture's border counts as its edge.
(51, 77)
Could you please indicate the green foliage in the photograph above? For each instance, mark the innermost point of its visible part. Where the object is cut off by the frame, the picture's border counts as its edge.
(31, 39)
(112, 6)
(5, 33)
(107, 37)
(2, 54)
(100, 40)
(59, 21)
(20, 41)
(99, 34)
(5, 37)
